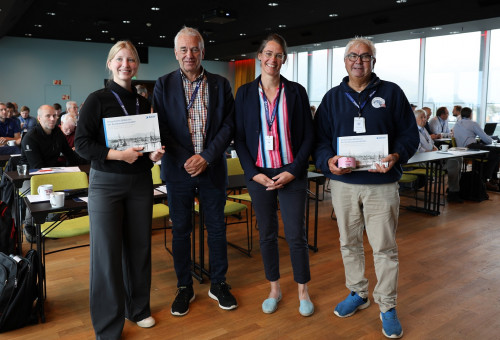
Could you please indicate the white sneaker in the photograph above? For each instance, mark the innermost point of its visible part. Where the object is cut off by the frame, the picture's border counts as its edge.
(147, 322)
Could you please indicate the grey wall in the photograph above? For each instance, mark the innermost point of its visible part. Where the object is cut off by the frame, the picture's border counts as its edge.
(28, 67)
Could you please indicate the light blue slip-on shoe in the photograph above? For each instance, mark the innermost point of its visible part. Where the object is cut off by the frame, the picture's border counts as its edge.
(306, 308)
(270, 305)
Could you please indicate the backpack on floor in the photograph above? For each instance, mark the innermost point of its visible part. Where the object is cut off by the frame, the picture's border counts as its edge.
(472, 187)
(8, 232)
(19, 300)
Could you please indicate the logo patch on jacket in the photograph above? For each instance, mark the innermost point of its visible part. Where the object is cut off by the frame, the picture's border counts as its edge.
(378, 102)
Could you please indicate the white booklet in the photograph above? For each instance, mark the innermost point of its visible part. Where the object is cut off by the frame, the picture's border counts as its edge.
(366, 149)
(133, 131)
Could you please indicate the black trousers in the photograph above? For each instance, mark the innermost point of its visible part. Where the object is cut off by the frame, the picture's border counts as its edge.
(120, 210)
(292, 200)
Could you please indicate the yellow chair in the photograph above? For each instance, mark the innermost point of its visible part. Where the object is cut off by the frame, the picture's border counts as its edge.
(160, 210)
(66, 227)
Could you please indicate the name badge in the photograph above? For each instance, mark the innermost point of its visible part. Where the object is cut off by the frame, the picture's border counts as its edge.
(359, 125)
(269, 143)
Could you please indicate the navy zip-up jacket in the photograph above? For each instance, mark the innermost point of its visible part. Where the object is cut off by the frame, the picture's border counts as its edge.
(387, 111)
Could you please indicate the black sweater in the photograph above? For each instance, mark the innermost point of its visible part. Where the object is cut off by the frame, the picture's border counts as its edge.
(39, 149)
(90, 142)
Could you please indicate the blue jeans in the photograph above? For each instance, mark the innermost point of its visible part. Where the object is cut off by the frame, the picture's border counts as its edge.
(180, 201)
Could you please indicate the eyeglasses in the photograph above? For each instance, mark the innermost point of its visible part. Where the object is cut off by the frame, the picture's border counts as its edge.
(269, 54)
(354, 57)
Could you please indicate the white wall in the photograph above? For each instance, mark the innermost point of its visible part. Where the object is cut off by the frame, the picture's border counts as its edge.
(28, 67)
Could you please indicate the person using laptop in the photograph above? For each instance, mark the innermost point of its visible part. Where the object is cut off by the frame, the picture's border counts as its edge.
(465, 132)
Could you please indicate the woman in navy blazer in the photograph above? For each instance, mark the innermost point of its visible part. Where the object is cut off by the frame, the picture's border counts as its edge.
(273, 139)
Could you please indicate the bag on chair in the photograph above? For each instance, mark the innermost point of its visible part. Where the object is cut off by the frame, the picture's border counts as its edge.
(19, 300)
(472, 187)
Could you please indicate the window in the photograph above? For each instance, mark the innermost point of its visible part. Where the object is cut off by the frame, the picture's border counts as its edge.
(303, 68)
(493, 98)
(317, 76)
(287, 67)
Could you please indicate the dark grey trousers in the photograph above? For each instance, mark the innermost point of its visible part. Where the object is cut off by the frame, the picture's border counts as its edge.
(120, 211)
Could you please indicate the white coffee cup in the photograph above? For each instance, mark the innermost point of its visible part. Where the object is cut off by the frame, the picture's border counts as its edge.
(45, 190)
(11, 143)
(57, 199)
(444, 147)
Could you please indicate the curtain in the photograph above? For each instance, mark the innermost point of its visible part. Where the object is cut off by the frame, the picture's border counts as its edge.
(244, 72)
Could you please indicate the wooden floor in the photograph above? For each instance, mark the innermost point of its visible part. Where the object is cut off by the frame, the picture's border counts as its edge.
(449, 286)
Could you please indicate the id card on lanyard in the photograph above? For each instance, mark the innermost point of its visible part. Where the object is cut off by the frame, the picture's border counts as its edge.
(269, 139)
(359, 122)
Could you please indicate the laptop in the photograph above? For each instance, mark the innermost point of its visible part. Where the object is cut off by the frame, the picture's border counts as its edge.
(489, 128)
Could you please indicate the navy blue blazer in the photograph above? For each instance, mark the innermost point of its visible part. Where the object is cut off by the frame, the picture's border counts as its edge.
(248, 125)
(170, 103)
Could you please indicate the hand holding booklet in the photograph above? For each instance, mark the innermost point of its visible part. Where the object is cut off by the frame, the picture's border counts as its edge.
(133, 131)
(368, 150)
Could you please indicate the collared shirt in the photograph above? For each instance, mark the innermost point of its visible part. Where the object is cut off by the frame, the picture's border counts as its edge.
(466, 130)
(9, 127)
(197, 114)
(426, 143)
(281, 154)
(29, 122)
(439, 126)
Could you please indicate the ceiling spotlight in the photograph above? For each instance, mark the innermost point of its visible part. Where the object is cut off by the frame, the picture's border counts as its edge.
(370, 38)
(232, 59)
(112, 38)
(126, 21)
(272, 4)
(436, 28)
(242, 34)
(454, 32)
(28, 34)
(281, 26)
(148, 24)
(140, 43)
(39, 26)
(88, 39)
(243, 55)
(400, 1)
(51, 13)
(155, 8)
(333, 15)
(211, 41)
(216, 58)
(317, 44)
(105, 31)
(162, 37)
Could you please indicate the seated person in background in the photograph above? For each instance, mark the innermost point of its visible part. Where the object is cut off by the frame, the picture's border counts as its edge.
(41, 147)
(58, 109)
(43, 144)
(439, 124)
(9, 128)
(68, 127)
(27, 122)
(465, 132)
(71, 111)
(428, 111)
(453, 165)
(456, 112)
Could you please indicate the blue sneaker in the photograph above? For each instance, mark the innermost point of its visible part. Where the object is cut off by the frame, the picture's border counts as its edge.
(391, 327)
(350, 305)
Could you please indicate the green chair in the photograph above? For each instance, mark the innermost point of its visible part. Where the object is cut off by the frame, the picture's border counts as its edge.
(411, 180)
(161, 210)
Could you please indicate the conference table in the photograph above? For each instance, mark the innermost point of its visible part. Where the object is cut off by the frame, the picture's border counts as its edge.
(433, 170)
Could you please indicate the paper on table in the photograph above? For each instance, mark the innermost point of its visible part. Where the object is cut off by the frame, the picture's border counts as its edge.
(162, 189)
(36, 198)
(43, 171)
(367, 149)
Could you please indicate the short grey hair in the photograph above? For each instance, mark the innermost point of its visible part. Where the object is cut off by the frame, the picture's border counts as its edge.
(358, 41)
(419, 112)
(193, 32)
(68, 104)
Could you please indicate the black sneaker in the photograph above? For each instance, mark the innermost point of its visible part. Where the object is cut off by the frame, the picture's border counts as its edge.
(220, 292)
(184, 296)
(30, 233)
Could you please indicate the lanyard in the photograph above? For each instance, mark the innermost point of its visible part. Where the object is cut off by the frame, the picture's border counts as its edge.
(270, 120)
(359, 106)
(195, 92)
(123, 106)
(443, 123)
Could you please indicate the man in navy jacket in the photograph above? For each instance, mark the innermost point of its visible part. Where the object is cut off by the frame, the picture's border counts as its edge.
(196, 115)
(366, 200)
